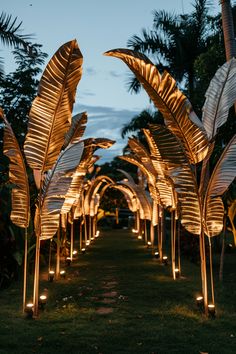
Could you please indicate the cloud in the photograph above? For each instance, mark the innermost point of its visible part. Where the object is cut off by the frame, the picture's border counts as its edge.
(114, 73)
(106, 122)
(90, 71)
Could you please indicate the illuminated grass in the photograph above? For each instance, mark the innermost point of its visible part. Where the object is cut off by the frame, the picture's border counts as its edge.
(151, 313)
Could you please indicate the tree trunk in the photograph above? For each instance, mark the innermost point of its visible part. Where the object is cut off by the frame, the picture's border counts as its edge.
(228, 29)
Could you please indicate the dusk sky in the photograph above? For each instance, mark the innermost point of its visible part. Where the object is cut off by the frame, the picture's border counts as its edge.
(98, 26)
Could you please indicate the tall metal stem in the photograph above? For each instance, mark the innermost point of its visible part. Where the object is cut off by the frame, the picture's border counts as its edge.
(25, 269)
(203, 269)
(211, 272)
(71, 240)
(173, 242)
(58, 250)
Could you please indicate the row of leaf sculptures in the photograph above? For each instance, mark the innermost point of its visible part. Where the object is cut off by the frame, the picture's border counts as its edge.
(177, 146)
(54, 151)
(60, 159)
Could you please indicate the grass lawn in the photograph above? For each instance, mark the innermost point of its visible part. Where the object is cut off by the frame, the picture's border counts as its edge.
(117, 298)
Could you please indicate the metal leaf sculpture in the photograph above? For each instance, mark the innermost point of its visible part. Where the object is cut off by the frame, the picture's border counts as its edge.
(163, 184)
(170, 101)
(220, 96)
(181, 173)
(55, 187)
(222, 176)
(20, 197)
(74, 192)
(129, 194)
(145, 206)
(93, 188)
(77, 128)
(50, 115)
(231, 215)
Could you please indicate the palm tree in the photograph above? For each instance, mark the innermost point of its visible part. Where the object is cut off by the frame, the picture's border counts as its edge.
(10, 35)
(175, 42)
(141, 121)
(228, 29)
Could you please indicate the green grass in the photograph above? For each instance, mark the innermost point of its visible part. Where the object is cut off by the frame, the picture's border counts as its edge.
(151, 313)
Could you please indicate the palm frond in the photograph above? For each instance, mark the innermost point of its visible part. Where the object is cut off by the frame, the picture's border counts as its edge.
(20, 197)
(220, 96)
(50, 115)
(174, 106)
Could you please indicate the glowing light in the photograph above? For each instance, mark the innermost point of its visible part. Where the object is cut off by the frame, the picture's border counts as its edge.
(68, 261)
(83, 250)
(42, 301)
(139, 237)
(92, 238)
(29, 310)
(177, 273)
(156, 255)
(165, 260)
(134, 231)
(97, 233)
(149, 244)
(63, 273)
(51, 275)
(211, 310)
(74, 253)
(87, 243)
(200, 302)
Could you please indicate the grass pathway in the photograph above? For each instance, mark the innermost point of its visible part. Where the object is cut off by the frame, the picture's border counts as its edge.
(117, 299)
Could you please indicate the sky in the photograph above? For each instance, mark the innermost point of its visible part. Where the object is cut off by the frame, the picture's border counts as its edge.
(98, 26)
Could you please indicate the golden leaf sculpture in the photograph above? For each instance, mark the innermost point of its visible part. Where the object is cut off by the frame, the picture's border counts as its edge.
(220, 96)
(92, 190)
(176, 109)
(145, 206)
(222, 176)
(74, 192)
(20, 197)
(55, 187)
(50, 115)
(181, 173)
(231, 215)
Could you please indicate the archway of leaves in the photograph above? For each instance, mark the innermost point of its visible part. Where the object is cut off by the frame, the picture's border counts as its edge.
(57, 155)
(179, 145)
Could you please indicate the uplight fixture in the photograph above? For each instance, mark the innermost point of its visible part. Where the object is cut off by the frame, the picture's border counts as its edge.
(63, 274)
(211, 311)
(29, 308)
(51, 275)
(42, 301)
(165, 260)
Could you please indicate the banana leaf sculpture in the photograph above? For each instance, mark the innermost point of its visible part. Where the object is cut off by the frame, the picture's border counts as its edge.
(176, 109)
(231, 215)
(200, 213)
(49, 120)
(169, 199)
(145, 208)
(142, 159)
(20, 196)
(193, 139)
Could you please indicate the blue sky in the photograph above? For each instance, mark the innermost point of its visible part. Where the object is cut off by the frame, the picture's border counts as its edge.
(98, 26)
